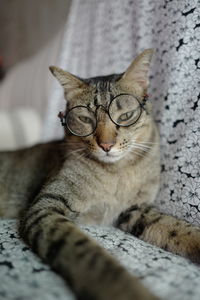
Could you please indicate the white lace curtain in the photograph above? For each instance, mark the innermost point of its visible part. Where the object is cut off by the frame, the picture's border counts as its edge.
(102, 37)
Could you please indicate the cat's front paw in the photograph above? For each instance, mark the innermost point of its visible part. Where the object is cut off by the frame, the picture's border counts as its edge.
(184, 239)
(127, 219)
(167, 232)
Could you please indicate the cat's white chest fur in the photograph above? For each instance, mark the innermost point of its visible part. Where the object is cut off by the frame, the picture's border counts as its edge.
(102, 192)
(115, 193)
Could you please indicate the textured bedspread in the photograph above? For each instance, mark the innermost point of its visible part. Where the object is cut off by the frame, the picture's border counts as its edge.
(24, 276)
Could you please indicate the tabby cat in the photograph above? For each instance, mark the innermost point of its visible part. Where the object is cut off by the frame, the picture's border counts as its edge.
(105, 171)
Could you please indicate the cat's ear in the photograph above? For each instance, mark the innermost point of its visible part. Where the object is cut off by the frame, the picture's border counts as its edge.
(71, 84)
(138, 70)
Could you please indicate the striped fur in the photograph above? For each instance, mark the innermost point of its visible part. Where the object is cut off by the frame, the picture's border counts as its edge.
(55, 187)
(90, 271)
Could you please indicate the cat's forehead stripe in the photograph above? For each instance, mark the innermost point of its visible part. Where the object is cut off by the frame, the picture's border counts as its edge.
(98, 93)
(103, 93)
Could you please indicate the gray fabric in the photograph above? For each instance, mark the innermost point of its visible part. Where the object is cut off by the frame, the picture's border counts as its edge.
(23, 276)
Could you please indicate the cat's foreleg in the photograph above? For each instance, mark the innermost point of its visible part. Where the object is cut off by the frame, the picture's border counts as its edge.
(167, 232)
(49, 228)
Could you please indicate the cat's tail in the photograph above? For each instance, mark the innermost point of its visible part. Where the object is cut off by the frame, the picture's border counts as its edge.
(90, 271)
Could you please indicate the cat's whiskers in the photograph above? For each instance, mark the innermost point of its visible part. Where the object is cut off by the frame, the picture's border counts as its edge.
(140, 147)
(74, 152)
(73, 142)
(149, 143)
(70, 146)
(143, 145)
(138, 153)
(82, 155)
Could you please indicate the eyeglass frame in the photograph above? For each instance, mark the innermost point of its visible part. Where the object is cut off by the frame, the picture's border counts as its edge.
(63, 116)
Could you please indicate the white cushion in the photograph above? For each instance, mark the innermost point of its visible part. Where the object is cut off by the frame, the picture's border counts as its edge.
(28, 83)
(19, 128)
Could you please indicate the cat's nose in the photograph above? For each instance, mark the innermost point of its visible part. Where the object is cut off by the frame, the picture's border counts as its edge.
(106, 146)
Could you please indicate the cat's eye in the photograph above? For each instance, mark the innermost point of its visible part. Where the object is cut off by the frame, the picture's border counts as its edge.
(126, 116)
(81, 121)
(125, 110)
(86, 120)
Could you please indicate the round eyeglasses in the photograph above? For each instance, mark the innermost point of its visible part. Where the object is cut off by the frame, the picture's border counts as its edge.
(124, 110)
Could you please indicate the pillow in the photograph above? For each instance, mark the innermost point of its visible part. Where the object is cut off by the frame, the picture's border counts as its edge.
(28, 83)
(19, 128)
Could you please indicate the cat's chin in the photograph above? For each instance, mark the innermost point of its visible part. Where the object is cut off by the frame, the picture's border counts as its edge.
(108, 157)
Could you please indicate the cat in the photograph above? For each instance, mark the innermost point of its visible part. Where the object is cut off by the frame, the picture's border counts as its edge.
(106, 171)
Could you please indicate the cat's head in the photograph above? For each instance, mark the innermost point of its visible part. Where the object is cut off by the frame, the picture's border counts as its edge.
(107, 116)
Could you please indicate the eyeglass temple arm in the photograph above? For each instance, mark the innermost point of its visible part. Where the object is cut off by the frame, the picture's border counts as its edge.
(146, 97)
(62, 116)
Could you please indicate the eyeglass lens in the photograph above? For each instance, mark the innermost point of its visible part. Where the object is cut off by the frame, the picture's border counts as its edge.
(125, 110)
(81, 121)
